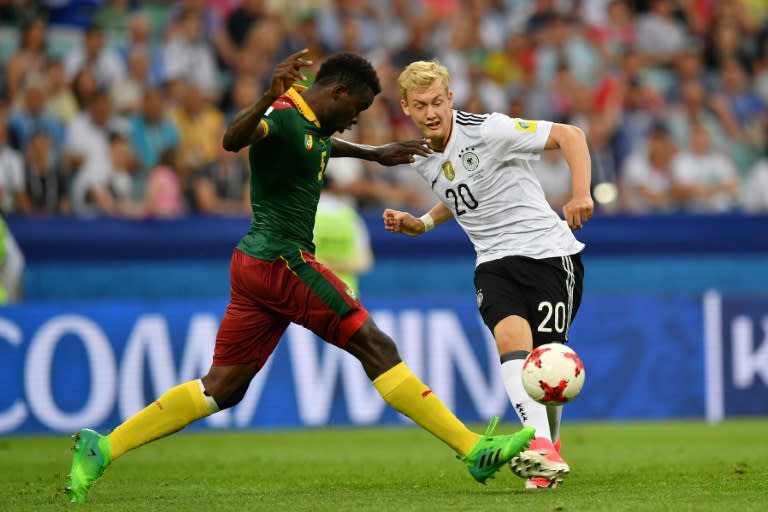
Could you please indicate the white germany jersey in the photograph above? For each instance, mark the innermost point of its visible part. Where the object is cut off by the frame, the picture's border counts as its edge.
(485, 178)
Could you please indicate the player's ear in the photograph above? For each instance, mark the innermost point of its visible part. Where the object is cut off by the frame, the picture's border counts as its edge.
(338, 90)
(404, 106)
(449, 96)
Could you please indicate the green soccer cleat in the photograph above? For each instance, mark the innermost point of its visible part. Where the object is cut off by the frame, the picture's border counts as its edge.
(491, 453)
(91, 458)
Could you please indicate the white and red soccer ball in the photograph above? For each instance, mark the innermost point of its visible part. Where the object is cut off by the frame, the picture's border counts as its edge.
(553, 374)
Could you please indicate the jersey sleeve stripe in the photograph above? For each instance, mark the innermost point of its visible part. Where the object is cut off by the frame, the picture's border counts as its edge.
(465, 116)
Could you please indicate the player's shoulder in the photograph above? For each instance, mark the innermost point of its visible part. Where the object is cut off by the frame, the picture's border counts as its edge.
(480, 124)
(469, 119)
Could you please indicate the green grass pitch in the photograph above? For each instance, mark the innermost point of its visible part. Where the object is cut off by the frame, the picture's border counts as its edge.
(655, 466)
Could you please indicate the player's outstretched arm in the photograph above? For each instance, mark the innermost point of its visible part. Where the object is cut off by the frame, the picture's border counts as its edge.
(396, 221)
(394, 153)
(573, 144)
(246, 128)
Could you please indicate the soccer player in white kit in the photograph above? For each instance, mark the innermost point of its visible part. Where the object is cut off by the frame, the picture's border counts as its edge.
(529, 274)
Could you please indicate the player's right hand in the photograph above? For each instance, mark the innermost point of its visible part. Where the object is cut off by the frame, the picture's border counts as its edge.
(288, 73)
(396, 221)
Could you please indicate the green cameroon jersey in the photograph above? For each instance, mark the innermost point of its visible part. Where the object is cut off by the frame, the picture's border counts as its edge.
(286, 178)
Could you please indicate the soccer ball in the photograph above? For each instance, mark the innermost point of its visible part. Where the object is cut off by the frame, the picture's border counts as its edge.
(553, 374)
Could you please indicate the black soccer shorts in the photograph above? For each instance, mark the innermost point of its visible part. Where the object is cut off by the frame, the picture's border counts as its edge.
(546, 292)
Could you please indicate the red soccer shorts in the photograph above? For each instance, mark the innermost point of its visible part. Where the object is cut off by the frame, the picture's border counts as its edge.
(266, 296)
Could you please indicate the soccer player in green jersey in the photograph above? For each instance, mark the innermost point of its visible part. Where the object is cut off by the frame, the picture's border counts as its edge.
(275, 279)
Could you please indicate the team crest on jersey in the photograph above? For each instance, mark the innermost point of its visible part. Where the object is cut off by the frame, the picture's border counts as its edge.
(479, 298)
(469, 159)
(308, 141)
(448, 170)
(524, 125)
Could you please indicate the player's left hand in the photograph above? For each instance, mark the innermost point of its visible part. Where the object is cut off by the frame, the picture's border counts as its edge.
(396, 153)
(578, 210)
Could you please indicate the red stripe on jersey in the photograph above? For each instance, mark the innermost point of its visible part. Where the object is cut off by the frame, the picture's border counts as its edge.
(282, 103)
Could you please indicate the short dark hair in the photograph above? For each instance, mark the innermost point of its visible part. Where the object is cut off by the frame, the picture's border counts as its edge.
(350, 70)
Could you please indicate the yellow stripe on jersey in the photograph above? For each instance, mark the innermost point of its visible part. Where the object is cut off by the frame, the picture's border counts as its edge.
(302, 106)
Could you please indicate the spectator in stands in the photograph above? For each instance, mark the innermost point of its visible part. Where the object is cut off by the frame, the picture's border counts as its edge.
(189, 57)
(364, 13)
(741, 112)
(140, 36)
(104, 61)
(232, 39)
(736, 12)
(562, 45)
(114, 17)
(243, 92)
(641, 105)
(462, 41)
(706, 180)
(614, 35)
(394, 33)
(105, 187)
(685, 62)
(646, 184)
(200, 125)
(164, 197)
(350, 35)
(30, 115)
(740, 109)
(47, 183)
(417, 46)
(12, 193)
(30, 58)
(61, 101)
(304, 33)
(221, 186)
(210, 20)
(539, 12)
(680, 117)
(726, 42)
(688, 67)
(661, 37)
(87, 150)
(126, 94)
(84, 85)
(151, 130)
(260, 51)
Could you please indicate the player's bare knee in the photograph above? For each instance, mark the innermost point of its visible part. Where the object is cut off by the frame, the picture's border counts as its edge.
(513, 333)
(234, 398)
(227, 386)
(376, 350)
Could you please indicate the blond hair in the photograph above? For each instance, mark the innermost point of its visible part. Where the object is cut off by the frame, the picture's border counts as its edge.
(421, 74)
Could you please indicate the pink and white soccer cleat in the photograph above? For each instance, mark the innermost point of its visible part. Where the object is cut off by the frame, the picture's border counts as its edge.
(541, 464)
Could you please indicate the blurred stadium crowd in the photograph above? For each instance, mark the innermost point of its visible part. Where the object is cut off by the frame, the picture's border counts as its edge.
(118, 107)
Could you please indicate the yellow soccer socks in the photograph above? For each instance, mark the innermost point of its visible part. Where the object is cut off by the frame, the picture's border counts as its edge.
(401, 389)
(174, 410)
